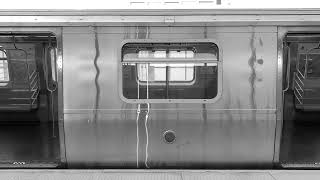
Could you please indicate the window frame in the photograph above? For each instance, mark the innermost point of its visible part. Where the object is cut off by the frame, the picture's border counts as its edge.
(136, 101)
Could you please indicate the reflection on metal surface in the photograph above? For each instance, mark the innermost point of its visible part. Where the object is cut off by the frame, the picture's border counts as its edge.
(147, 135)
(96, 79)
(138, 138)
(252, 78)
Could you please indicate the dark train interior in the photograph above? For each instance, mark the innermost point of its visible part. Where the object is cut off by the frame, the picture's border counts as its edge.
(28, 100)
(300, 144)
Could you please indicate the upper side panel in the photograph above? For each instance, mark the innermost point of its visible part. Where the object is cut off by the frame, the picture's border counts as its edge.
(248, 55)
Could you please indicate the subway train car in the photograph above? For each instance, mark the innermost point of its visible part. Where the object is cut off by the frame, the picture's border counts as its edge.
(160, 89)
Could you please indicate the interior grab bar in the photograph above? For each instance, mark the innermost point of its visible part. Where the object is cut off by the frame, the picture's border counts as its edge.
(52, 55)
(288, 69)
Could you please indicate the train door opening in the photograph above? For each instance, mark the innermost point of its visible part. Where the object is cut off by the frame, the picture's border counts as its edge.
(29, 131)
(300, 143)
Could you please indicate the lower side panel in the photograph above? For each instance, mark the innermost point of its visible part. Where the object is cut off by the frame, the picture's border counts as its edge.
(131, 140)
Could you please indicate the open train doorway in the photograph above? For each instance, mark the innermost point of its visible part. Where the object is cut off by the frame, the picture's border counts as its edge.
(29, 132)
(300, 143)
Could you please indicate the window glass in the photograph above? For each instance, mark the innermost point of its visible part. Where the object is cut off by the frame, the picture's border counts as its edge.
(4, 71)
(309, 56)
(170, 70)
(157, 72)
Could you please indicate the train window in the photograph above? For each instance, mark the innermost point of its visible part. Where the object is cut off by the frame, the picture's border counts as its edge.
(4, 70)
(168, 71)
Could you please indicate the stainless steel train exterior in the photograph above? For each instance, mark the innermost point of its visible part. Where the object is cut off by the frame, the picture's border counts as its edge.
(237, 128)
(240, 127)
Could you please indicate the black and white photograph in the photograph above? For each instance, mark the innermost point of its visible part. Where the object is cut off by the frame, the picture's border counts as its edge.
(160, 90)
